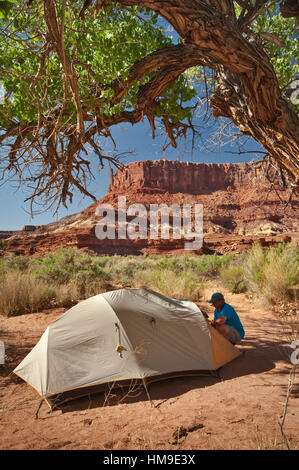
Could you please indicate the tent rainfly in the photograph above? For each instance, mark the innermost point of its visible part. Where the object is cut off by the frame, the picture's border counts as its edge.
(120, 336)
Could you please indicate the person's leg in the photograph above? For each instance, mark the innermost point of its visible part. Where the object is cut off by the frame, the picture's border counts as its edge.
(229, 333)
(223, 329)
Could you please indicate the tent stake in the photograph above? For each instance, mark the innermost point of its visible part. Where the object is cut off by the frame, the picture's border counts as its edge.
(219, 375)
(148, 395)
(39, 406)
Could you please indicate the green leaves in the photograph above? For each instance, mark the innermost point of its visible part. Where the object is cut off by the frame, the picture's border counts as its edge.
(64, 80)
(101, 50)
(5, 7)
(284, 60)
(172, 97)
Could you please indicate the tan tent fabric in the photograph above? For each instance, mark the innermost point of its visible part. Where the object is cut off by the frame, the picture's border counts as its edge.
(223, 351)
(120, 335)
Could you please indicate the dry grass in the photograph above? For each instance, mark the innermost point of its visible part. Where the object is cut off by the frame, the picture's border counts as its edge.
(167, 282)
(268, 275)
(21, 292)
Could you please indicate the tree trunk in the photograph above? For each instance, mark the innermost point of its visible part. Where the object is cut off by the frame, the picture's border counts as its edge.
(279, 137)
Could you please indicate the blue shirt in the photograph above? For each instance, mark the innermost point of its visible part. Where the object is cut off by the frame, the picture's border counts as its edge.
(232, 318)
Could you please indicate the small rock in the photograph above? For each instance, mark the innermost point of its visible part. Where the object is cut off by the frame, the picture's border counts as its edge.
(87, 421)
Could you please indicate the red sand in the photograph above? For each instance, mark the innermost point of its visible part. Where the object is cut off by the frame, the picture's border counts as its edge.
(240, 412)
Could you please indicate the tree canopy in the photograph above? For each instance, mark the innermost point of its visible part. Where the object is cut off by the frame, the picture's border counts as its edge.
(71, 70)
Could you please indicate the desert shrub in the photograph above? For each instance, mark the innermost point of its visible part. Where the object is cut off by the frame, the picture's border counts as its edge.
(58, 266)
(2, 245)
(174, 263)
(280, 272)
(205, 266)
(167, 282)
(130, 269)
(60, 279)
(267, 274)
(22, 293)
(123, 270)
(209, 266)
(14, 262)
(2, 269)
(69, 264)
(254, 262)
(270, 274)
(87, 286)
(65, 295)
(233, 277)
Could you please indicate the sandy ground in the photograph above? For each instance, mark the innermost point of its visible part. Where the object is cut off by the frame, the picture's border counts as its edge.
(240, 412)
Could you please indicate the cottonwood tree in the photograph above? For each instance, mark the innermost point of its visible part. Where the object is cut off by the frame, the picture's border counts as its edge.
(71, 70)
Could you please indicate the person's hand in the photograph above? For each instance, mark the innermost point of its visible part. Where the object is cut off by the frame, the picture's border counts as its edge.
(219, 321)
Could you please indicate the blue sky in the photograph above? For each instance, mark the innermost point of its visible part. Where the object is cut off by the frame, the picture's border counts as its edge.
(137, 139)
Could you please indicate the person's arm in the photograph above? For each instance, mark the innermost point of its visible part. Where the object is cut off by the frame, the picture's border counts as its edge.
(219, 321)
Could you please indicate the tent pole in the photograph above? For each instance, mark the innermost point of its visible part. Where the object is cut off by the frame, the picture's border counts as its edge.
(148, 395)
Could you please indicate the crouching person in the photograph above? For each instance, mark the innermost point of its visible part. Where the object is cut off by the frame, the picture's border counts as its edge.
(226, 319)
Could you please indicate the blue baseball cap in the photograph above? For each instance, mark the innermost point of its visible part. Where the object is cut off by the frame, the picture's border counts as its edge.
(216, 296)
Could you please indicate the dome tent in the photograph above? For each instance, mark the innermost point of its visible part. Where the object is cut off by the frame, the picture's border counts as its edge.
(118, 336)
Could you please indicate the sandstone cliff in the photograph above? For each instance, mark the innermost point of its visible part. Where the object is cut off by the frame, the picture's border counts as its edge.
(238, 209)
(179, 177)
